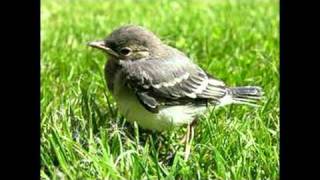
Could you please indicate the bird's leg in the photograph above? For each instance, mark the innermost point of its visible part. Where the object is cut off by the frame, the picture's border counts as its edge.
(192, 124)
(189, 138)
(188, 145)
(184, 138)
(189, 141)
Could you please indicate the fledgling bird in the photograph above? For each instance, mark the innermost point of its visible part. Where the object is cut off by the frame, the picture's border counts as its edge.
(158, 86)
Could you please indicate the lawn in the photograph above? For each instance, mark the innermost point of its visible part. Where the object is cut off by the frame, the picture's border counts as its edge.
(84, 137)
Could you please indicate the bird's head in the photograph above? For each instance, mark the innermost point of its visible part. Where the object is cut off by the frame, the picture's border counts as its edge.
(130, 43)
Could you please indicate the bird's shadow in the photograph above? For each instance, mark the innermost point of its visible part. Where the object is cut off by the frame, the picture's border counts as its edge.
(162, 144)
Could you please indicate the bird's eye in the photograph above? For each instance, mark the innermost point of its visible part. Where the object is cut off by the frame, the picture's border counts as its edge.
(125, 51)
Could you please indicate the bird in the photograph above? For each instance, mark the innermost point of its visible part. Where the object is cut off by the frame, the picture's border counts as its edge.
(158, 86)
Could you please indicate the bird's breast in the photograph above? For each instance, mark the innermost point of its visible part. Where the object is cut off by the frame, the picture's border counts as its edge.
(167, 117)
(111, 70)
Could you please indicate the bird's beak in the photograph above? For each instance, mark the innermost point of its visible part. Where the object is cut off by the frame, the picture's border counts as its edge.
(101, 45)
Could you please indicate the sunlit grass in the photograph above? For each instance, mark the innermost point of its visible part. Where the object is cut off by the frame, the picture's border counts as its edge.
(83, 136)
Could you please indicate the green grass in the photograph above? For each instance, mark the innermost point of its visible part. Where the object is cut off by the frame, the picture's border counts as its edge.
(83, 136)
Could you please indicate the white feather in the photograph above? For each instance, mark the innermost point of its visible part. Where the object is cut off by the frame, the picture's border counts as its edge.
(226, 100)
(173, 82)
(216, 82)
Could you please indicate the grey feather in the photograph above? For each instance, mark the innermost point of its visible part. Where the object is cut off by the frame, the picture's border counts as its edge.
(174, 81)
(246, 94)
(148, 102)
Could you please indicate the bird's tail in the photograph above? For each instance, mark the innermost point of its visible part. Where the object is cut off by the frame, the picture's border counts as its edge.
(249, 95)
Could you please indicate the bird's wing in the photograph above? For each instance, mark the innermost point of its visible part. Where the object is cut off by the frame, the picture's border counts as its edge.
(174, 81)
